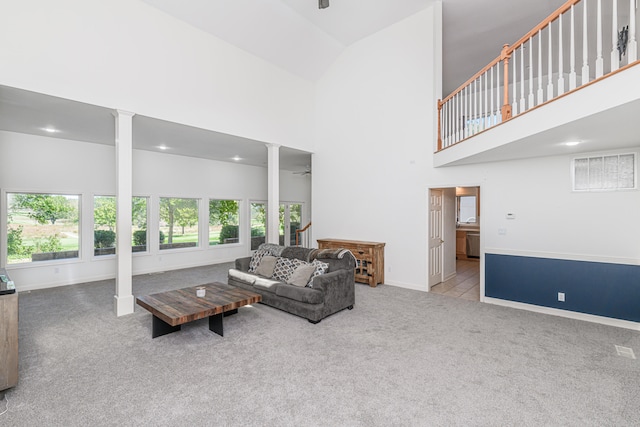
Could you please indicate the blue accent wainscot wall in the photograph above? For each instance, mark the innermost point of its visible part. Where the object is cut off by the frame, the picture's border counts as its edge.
(602, 289)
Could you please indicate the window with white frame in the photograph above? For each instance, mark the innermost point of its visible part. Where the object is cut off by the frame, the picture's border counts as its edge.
(604, 173)
(42, 227)
(224, 221)
(104, 225)
(178, 223)
(139, 207)
(258, 224)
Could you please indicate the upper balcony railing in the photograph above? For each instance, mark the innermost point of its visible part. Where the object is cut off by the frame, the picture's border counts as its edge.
(541, 66)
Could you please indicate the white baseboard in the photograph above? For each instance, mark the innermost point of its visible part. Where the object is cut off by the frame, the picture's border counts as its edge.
(411, 286)
(565, 313)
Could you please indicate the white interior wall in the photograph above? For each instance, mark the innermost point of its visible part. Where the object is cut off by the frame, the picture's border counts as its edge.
(374, 162)
(551, 220)
(376, 123)
(42, 164)
(128, 55)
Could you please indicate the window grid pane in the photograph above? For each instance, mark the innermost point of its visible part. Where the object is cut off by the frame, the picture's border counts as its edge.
(42, 227)
(104, 225)
(616, 172)
(178, 223)
(224, 224)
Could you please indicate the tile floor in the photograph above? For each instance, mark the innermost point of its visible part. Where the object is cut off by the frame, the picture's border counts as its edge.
(465, 284)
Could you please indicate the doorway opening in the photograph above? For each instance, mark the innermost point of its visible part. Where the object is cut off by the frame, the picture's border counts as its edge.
(454, 241)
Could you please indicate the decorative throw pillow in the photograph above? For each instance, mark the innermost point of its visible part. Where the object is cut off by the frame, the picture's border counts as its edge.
(301, 275)
(266, 266)
(283, 269)
(256, 258)
(319, 268)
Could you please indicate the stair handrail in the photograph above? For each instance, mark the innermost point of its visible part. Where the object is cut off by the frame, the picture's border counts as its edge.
(457, 120)
(301, 230)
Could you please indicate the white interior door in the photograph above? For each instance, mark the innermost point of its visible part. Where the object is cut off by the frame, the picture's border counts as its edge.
(435, 237)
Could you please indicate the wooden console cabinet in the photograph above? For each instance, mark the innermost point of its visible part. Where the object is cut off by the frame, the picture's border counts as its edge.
(370, 257)
(8, 340)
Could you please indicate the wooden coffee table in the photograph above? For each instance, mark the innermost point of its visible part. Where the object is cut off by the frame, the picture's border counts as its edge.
(173, 308)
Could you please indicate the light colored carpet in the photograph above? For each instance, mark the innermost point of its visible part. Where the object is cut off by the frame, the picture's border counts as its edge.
(400, 357)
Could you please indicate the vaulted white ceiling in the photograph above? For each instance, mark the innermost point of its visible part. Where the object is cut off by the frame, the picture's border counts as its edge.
(294, 35)
(299, 37)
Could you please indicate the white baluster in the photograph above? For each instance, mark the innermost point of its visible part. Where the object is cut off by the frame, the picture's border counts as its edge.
(486, 99)
(572, 53)
(599, 59)
(585, 43)
(475, 107)
(560, 59)
(457, 110)
(453, 119)
(523, 107)
(615, 62)
(632, 47)
(446, 124)
(514, 102)
(465, 118)
(492, 111)
(550, 67)
(540, 91)
(498, 97)
(447, 139)
(481, 110)
(531, 97)
(461, 118)
(458, 116)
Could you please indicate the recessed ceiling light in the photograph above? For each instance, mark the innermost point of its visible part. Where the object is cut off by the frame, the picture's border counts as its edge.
(50, 129)
(163, 147)
(571, 143)
(236, 158)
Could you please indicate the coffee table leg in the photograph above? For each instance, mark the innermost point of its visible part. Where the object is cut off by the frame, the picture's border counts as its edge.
(230, 312)
(160, 328)
(215, 323)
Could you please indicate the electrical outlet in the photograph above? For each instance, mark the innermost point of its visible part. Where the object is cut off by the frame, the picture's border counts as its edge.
(561, 296)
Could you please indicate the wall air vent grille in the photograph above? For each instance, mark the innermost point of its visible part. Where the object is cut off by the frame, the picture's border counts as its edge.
(605, 173)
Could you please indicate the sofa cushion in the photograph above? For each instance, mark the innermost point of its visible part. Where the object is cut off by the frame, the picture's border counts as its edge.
(256, 258)
(241, 275)
(301, 275)
(266, 266)
(319, 268)
(306, 295)
(284, 268)
(266, 284)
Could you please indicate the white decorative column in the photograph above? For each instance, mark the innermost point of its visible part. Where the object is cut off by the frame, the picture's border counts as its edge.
(123, 299)
(273, 193)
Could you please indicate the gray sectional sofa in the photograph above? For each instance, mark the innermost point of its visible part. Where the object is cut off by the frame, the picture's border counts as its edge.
(330, 289)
